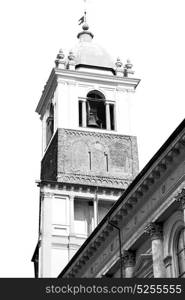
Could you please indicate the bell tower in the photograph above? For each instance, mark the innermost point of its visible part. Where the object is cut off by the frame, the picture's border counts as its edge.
(88, 155)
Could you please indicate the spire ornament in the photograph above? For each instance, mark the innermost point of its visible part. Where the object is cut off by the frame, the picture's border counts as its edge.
(85, 26)
(128, 68)
(119, 68)
(71, 55)
(83, 18)
(118, 63)
(60, 61)
(71, 62)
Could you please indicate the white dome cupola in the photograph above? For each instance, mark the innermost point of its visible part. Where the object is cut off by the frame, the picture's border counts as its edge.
(88, 53)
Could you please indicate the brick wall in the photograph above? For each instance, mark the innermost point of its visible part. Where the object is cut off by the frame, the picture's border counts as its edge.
(49, 161)
(74, 154)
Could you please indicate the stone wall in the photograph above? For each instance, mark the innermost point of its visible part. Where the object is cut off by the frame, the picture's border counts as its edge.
(87, 157)
(49, 161)
(97, 158)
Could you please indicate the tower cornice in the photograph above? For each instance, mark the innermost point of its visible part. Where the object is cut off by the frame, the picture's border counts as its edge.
(49, 88)
(102, 78)
(61, 76)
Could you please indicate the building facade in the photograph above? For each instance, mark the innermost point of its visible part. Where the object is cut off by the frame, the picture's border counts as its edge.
(89, 155)
(150, 218)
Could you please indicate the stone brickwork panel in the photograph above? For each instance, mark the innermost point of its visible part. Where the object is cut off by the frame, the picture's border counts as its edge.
(49, 161)
(104, 158)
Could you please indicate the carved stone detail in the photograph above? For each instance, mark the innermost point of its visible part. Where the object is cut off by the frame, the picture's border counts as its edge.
(46, 195)
(180, 198)
(118, 63)
(119, 67)
(71, 58)
(60, 61)
(96, 134)
(154, 230)
(95, 180)
(128, 68)
(128, 258)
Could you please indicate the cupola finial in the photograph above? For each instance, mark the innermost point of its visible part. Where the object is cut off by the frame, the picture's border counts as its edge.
(85, 26)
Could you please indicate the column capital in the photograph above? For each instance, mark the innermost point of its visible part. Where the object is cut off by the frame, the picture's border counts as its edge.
(46, 195)
(108, 102)
(128, 258)
(180, 198)
(83, 99)
(154, 230)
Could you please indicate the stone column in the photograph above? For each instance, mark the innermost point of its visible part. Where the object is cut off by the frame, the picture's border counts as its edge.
(95, 204)
(114, 117)
(70, 246)
(129, 263)
(180, 198)
(155, 232)
(84, 113)
(108, 125)
(45, 259)
(71, 214)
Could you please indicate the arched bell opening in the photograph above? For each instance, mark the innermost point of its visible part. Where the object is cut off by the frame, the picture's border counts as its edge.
(96, 110)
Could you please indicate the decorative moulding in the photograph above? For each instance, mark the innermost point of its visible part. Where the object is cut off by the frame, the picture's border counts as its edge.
(95, 180)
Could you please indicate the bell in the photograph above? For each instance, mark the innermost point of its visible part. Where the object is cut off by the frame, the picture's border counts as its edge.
(93, 120)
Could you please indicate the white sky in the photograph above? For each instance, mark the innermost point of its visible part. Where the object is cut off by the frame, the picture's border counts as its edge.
(150, 33)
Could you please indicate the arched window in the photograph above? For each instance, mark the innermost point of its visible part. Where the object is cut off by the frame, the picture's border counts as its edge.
(50, 124)
(96, 112)
(181, 253)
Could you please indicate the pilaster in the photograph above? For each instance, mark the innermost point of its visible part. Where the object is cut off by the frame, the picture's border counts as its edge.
(180, 198)
(46, 235)
(155, 231)
(129, 263)
(108, 124)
